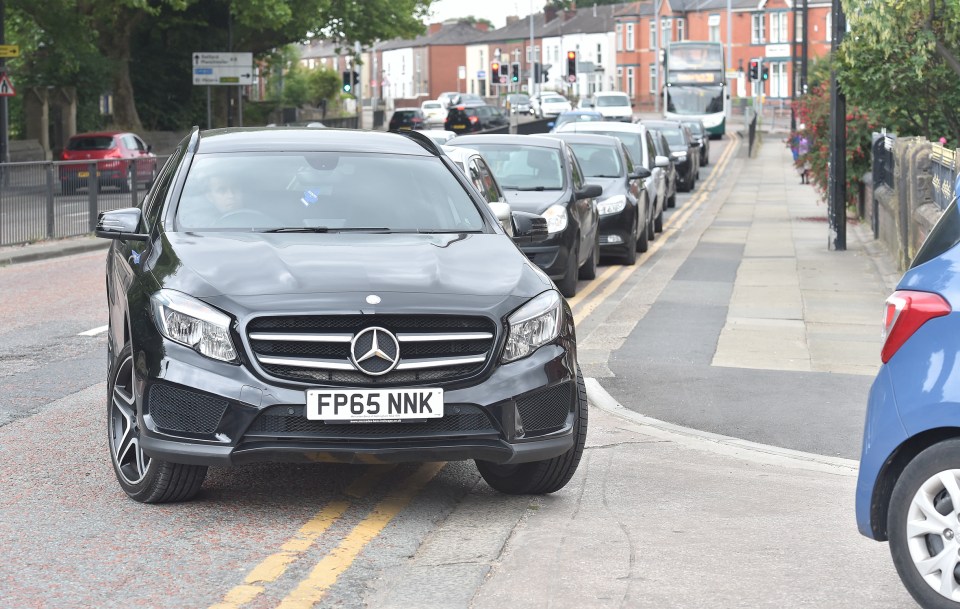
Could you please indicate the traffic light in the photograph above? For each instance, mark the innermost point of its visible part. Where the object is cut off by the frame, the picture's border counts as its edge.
(503, 70)
(347, 82)
(495, 71)
(754, 69)
(571, 65)
(765, 74)
(515, 72)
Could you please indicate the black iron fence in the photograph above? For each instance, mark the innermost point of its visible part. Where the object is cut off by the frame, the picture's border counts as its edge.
(943, 167)
(56, 199)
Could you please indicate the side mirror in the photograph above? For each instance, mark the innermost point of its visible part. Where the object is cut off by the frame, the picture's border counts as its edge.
(697, 143)
(528, 228)
(640, 173)
(661, 161)
(149, 147)
(501, 210)
(120, 224)
(589, 191)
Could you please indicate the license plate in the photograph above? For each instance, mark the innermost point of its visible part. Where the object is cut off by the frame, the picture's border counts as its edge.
(404, 129)
(83, 174)
(459, 126)
(382, 405)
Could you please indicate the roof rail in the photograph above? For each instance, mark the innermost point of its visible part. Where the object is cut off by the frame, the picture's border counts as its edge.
(194, 139)
(425, 142)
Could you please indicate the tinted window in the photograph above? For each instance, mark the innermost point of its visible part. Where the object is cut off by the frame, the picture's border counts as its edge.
(523, 167)
(154, 200)
(626, 157)
(650, 150)
(91, 143)
(598, 161)
(324, 189)
(404, 114)
(575, 170)
(610, 101)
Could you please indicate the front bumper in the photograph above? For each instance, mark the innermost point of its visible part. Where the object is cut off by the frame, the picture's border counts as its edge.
(517, 412)
(616, 229)
(551, 255)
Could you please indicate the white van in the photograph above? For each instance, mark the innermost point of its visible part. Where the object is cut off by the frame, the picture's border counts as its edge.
(613, 105)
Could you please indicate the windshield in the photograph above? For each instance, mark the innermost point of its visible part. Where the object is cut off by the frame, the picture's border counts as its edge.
(674, 137)
(324, 190)
(694, 100)
(695, 128)
(609, 101)
(598, 161)
(523, 167)
(630, 139)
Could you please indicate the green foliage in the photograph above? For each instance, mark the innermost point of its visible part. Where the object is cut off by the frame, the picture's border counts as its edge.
(890, 65)
(813, 113)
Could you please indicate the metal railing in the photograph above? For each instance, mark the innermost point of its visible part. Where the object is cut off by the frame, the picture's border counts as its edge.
(57, 199)
(943, 166)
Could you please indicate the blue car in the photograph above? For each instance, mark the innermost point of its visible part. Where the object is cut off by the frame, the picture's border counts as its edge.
(908, 490)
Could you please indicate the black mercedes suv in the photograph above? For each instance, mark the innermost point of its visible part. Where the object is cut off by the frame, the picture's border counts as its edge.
(302, 295)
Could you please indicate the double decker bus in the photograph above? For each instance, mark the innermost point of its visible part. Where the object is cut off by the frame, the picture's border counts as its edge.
(695, 84)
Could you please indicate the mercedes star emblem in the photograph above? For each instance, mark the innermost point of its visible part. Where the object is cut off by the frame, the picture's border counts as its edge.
(375, 351)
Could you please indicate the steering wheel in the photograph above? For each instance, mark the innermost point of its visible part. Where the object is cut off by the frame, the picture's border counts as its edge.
(252, 214)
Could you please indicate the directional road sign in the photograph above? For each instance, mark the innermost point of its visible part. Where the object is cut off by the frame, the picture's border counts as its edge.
(9, 50)
(222, 68)
(6, 87)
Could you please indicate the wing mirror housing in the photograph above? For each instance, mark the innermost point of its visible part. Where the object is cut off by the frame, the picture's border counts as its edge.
(120, 224)
(640, 173)
(528, 228)
(501, 209)
(661, 161)
(589, 191)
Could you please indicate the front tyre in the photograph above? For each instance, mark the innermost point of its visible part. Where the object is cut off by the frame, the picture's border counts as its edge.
(143, 478)
(542, 477)
(923, 524)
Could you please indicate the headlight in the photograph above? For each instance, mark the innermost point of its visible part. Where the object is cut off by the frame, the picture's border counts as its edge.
(197, 325)
(556, 216)
(533, 325)
(680, 156)
(613, 205)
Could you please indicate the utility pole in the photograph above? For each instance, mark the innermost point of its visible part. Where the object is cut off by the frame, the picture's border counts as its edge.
(4, 108)
(837, 239)
(533, 56)
(803, 52)
(656, 55)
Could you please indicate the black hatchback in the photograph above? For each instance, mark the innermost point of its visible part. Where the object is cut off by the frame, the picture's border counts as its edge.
(407, 119)
(270, 302)
(470, 119)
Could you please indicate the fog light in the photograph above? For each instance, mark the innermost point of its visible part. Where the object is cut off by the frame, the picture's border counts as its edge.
(611, 239)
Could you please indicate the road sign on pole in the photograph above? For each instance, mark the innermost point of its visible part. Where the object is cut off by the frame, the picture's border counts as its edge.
(9, 50)
(6, 87)
(222, 68)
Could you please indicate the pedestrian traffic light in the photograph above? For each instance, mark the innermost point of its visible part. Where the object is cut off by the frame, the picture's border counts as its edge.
(572, 64)
(515, 72)
(765, 73)
(754, 69)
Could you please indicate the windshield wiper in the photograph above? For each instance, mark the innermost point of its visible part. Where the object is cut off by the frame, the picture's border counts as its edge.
(605, 176)
(328, 229)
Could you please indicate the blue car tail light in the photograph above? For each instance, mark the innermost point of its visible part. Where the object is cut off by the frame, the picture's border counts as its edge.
(905, 311)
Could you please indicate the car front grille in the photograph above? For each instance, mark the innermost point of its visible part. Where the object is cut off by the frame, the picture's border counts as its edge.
(316, 349)
(546, 410)
(290, 423)
(177, 409)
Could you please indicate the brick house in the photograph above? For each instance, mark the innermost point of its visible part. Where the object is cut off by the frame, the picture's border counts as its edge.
(761, 29)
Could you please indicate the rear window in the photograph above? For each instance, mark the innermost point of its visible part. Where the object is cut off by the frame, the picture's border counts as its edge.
(518, 167)
(598, 161)
(91, 143)
(331, 190)
(431, 105)
(944, 235)
(612, 101)
(404, 113)
(553, 99)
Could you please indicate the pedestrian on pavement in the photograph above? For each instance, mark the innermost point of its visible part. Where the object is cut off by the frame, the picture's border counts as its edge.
(800, 156)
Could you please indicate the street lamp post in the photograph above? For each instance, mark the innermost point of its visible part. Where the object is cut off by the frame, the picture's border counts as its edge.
(838, 143)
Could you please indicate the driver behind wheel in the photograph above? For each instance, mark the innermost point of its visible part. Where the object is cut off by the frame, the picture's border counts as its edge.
(221, 197)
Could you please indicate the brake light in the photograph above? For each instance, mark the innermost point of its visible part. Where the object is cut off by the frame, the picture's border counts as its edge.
(905, 311)
(414, 120)
(474, 119)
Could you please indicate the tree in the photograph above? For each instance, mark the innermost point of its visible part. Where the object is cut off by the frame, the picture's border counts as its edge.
(249, 25)
(898, 63)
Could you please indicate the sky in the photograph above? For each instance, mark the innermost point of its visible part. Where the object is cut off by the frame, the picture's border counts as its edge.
(494, 10)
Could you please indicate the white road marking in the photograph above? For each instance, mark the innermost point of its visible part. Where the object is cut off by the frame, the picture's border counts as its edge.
(94, 331)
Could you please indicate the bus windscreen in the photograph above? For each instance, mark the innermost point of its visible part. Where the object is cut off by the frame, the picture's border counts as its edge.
(694, 57)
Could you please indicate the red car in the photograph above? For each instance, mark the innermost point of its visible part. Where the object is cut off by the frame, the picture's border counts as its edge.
(122, 158)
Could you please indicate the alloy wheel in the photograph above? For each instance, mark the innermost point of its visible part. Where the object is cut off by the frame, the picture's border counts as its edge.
(128, 457)
(933, 533)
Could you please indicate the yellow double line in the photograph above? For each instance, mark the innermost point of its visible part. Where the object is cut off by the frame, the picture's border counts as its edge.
(325, 573)
(586, 302)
